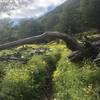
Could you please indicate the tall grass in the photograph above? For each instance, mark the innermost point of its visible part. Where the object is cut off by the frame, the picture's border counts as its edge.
(76, 82)
(47, 74)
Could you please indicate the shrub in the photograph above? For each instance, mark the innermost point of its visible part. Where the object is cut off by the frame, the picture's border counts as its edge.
(25, 83)
(76, 83)
(14, 85)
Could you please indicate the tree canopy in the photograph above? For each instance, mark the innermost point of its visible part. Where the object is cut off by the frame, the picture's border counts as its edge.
(91, 11)
(71, 17)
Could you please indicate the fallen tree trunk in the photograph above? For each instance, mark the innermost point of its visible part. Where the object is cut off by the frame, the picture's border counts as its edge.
(71, 42)
(8, 59)
(90, 50)
(84, 50)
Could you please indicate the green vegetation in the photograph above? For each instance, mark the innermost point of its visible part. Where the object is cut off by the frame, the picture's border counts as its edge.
(68, 81)
(72, 17)
(23, 82)
(47, 73)
(90, 11)
(76, 81)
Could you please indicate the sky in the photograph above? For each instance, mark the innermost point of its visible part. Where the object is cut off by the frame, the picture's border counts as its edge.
(32, 8)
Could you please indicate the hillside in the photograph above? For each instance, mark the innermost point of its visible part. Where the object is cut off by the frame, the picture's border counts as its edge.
(72, 17)
(47, 74)
(61, 18)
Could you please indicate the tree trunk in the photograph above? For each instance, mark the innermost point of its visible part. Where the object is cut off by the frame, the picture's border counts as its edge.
(88, 48)
(71, 42)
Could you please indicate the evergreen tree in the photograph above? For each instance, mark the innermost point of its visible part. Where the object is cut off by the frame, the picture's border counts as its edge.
(90, 10)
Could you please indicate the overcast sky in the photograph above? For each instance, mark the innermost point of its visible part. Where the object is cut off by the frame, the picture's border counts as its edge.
(34, 9)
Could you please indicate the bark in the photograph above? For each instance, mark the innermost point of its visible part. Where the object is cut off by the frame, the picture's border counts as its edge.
(87, 49)
(93, 38)
(71, 42)
(8, 59)
(97, 59)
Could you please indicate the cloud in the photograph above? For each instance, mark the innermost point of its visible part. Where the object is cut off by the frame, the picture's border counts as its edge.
(34, 8)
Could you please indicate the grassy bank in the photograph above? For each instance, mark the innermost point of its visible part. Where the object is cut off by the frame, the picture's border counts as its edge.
(48, 74)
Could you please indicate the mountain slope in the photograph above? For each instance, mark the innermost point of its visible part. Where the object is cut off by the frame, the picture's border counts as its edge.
(65, 18)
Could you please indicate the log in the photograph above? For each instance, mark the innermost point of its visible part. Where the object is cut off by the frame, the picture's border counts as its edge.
(70, 41)
(95, 37)
(89, 51)
(8, 59)
(86, 49)
(97, 59)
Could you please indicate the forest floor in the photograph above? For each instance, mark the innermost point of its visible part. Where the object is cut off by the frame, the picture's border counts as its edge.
(44, 72)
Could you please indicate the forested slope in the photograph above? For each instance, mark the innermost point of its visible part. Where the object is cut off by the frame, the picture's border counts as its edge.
(72, 17)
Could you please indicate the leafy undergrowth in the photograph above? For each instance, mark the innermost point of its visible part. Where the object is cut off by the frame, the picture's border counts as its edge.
(76, 81)
(48, 74)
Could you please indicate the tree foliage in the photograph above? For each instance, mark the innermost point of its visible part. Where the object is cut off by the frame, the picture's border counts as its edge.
(65, 18)
(91, 12)
(74, 16)
(25, 28)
